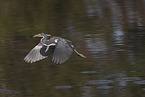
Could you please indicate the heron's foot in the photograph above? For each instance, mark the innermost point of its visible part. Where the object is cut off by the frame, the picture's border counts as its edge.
(82, 56)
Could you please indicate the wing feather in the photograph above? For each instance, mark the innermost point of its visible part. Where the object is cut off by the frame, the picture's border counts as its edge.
(34, 55)
(62, 51)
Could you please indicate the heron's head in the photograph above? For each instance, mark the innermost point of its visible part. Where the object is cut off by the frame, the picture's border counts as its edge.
(41, 35)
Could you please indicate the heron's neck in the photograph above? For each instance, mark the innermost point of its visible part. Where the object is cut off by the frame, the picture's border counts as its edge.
(43, 40)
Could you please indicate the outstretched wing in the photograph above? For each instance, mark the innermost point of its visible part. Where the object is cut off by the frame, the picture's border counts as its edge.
(62, 51)
(34, 55)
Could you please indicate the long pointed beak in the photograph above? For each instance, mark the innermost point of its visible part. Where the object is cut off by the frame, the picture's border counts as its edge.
(37, 35)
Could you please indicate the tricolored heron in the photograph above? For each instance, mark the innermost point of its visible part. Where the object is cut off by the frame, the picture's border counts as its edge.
(60, 48)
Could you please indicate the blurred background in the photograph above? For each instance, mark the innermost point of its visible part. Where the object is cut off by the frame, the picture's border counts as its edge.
(111, 33)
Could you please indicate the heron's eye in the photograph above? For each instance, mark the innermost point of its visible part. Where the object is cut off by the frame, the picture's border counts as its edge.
(40, 34)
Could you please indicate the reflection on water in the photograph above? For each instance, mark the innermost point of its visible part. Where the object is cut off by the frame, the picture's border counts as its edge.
(8, 93)
(110, 33)
(96, 44)
(62, 87)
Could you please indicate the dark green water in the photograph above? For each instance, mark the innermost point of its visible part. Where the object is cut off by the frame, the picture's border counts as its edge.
(111, 33)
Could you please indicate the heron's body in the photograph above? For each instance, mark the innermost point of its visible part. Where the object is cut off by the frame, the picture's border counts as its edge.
(60, 48)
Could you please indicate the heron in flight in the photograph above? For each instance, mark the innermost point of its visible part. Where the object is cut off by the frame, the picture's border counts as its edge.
(60, 48)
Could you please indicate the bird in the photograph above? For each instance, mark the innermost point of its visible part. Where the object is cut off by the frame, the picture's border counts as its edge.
(60, 49)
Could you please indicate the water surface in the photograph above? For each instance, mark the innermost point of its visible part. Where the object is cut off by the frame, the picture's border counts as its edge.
(110, 33)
